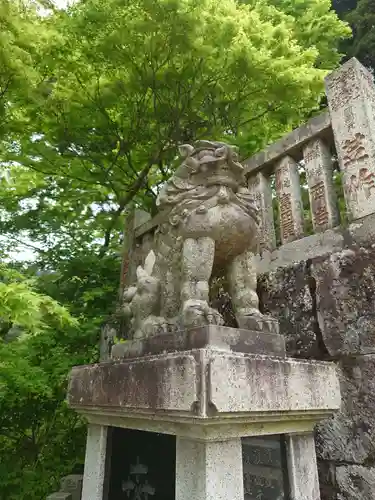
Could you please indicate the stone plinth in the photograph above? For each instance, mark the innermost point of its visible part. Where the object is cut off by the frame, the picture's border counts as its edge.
(251, 341)
(221, 392)
(210, 387)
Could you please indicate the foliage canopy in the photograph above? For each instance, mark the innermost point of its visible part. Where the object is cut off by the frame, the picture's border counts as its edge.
(362, 20)
(124, 83)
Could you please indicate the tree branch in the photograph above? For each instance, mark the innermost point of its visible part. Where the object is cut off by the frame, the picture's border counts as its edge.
(6, 87)
(257, 117)
(29, 245)
(124, 202)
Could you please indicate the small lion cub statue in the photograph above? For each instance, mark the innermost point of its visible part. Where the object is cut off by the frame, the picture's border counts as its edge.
(142, 302)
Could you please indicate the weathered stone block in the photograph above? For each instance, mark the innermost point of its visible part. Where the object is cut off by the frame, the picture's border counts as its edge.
(220, 337)
(261, 384)
(286, 294)
(349, 436)
(315, 245)
(362, 231)
(60, 496)
(345, 287)
(346, 481)
(164, 383)
(351, 100)
(185, 393)
(72, 484)
(263, 324)
(355, 482)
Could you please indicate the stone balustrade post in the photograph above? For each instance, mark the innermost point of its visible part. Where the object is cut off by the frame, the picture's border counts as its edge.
(351, 98)
(259, 185)
(319, 174)
(288, 192)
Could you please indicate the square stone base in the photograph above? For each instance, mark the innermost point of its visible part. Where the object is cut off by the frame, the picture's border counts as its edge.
(209, 387)
(256, 340)
(208, 391)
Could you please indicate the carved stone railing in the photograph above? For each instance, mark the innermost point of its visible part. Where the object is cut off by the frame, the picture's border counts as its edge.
(345, 132)
(70, 488)
(274, 173)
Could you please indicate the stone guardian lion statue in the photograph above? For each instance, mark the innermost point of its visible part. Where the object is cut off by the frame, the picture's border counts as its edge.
(210, 227)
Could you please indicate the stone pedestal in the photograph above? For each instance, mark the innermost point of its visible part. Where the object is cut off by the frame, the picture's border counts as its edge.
(210, 387)
(209, 470)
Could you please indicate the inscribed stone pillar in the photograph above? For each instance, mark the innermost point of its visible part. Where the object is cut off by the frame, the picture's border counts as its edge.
(288, 192)
(209, 470)
(351, 99)
(259, 185)
(319, 173)
(94, 473)
(302, 467)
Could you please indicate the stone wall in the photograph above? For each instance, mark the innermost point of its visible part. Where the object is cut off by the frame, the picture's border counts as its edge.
(326, 308)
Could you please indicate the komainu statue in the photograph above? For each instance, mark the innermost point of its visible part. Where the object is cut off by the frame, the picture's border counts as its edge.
(210, 227)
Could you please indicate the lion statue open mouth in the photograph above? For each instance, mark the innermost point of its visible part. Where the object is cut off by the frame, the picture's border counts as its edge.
(210, 226)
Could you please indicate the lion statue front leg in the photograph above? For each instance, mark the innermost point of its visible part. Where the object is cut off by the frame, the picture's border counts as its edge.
(242, 279)
(197, 263)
